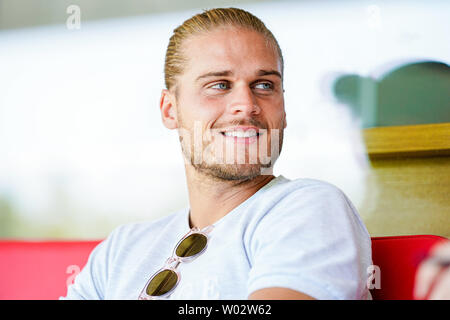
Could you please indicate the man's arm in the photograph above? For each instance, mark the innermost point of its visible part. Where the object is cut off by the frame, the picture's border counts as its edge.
(310, 244)
(91, 282)
(277, 293)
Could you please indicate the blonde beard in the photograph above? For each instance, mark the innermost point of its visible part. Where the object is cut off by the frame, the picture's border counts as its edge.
(226, 171)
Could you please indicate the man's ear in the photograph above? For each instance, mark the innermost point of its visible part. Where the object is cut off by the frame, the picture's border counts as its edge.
(285, 121)
(168, 107)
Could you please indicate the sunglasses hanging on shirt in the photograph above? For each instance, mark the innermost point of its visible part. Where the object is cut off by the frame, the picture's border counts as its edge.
(163, 282)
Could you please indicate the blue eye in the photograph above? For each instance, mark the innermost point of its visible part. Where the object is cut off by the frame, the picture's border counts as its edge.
(264, 86)
(220, 86)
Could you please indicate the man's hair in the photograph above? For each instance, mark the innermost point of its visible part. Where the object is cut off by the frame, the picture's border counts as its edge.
(208, 21)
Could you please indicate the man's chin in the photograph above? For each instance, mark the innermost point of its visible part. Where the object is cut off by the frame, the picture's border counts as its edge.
(233, 172)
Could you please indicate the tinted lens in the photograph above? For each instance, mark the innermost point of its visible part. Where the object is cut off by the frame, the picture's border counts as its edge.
(191, 245)
(162, 283)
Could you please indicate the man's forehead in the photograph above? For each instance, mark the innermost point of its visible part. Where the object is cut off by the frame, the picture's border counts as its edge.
(224, 42)
(206, 66)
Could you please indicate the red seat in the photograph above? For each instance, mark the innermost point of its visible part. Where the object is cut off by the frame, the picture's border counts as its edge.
(42, 270)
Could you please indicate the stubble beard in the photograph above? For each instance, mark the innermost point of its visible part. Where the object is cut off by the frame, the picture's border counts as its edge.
(218, 169)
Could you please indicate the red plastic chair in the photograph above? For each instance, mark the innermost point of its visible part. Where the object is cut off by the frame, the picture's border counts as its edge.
(42, 270)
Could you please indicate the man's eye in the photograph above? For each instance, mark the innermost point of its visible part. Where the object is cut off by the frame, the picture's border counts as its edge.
(220, 86)
(264, 86)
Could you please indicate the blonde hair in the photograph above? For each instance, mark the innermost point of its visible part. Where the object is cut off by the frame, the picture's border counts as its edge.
(204, 22)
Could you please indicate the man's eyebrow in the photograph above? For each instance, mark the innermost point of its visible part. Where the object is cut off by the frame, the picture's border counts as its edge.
(268, 73)
(227, 73)
(224, 73)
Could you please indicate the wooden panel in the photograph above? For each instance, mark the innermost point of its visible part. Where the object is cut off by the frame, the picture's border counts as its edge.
(406, 141)
(408, 196)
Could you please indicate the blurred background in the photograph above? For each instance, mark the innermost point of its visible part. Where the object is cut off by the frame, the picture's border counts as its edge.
(83, 149)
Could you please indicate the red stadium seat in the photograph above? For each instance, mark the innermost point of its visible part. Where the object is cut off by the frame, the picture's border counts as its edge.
(43, 270)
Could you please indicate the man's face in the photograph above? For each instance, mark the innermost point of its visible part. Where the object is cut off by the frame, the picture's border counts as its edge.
(229, 104)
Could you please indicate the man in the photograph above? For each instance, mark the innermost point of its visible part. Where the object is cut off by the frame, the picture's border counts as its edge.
(246, 234)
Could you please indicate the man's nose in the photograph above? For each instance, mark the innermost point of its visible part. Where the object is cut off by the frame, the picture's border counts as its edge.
(243, 102)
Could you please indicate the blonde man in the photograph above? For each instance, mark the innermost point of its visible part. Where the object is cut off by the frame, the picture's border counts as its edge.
(246, 234)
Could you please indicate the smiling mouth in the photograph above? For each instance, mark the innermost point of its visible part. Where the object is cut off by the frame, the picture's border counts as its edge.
(245, 135)
(241, 134)
(242, 131)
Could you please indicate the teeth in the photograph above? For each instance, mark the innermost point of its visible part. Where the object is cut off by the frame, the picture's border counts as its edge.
(241, 134)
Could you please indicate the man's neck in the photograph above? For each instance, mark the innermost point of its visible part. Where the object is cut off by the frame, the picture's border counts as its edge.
(211, 198)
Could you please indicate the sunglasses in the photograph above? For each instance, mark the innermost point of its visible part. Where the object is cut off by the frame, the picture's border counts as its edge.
(164, 281)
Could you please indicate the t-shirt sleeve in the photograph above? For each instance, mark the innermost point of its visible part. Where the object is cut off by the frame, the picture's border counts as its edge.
(312, 241)
(91, 282)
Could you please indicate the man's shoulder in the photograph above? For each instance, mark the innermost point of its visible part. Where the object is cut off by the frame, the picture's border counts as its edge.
(303, 185)
(314, 201)
(308, 197)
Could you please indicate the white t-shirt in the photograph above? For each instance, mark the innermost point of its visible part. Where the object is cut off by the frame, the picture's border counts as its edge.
(302, 234)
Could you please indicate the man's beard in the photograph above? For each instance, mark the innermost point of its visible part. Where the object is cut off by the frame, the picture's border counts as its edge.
(215, 168)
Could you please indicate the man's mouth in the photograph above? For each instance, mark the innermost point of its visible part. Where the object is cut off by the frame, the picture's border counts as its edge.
(245, 135)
